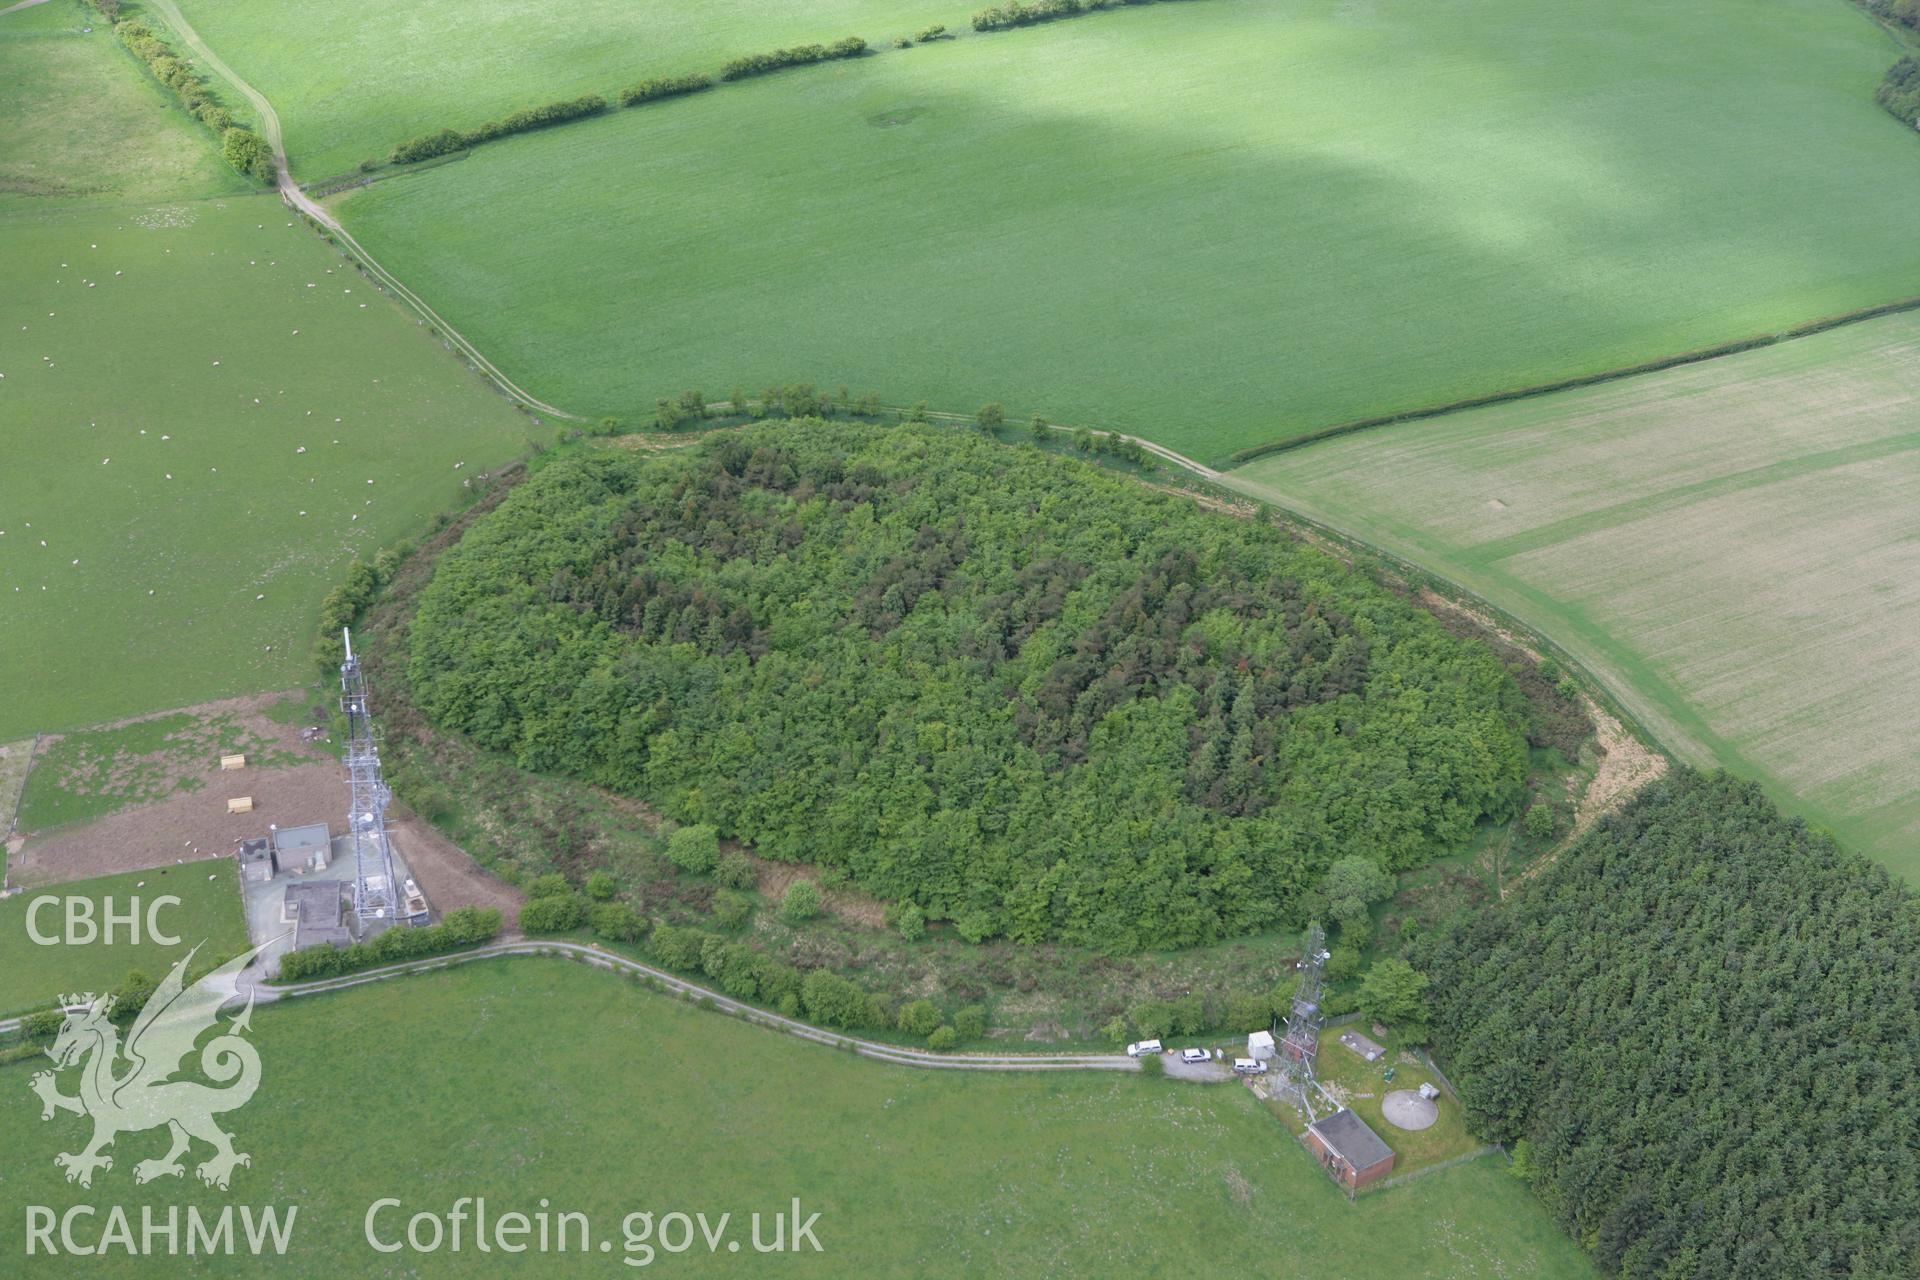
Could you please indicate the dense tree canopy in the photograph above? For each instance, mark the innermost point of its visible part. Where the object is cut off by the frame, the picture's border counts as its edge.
(1702, 1023)
(1039, 700)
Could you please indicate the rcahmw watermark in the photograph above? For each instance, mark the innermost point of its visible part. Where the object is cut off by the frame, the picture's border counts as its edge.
(84, 1231)
(468, 1225)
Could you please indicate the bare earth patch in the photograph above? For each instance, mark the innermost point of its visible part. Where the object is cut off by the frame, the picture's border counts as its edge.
(451, 878)
(185, 760)
(186, 827)
(1626, 766)
(849, 904)
(1242, 510)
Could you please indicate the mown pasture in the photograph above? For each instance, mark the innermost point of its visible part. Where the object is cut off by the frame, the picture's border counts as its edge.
(1734, 547)
(350, 80)
(537, 1081)
(33, 974)
(1213, 224)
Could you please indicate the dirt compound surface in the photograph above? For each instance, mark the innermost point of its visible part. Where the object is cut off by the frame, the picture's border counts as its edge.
(451, 878)
(290, 781)
(187, 826)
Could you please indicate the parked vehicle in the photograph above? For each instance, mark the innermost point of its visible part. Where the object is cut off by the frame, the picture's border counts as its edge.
(1143, 1048)
(1249, 1066)
(1195, 1055)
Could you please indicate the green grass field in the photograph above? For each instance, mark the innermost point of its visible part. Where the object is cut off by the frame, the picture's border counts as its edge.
(32, 975)
(168, 349)
(350, 80)
(1214, 224)
(192, 400)
(526, 1079)
(1734, 547)
(206, 415)
(82, 121)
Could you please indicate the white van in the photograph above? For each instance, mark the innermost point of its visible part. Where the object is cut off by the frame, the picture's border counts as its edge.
(1195, 1055)
(1143, 1048)
(1249, 1066)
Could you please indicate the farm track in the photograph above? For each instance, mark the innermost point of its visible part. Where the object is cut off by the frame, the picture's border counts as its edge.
(300, 202)
(899, 1055)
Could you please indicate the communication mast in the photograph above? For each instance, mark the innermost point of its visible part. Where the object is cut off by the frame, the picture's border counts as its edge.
(374, 895)
(1300, 1043)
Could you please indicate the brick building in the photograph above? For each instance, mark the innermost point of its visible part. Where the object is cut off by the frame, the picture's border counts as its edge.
(1352, 1154)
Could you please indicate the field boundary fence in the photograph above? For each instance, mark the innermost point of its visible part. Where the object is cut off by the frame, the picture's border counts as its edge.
(13, 818)
(1467, 1157)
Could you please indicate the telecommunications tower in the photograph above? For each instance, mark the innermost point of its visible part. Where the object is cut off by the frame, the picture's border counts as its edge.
(1300, 1043)
(374, 895)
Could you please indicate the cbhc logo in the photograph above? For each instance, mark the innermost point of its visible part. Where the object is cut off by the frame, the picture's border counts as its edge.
(83, 929)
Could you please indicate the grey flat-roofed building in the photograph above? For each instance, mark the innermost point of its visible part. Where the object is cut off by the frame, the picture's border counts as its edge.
(317, 910)
(306, 848)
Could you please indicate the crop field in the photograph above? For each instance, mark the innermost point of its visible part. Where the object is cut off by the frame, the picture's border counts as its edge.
(1734, 547)
(33, 974)
(349, 80)
(1214, 224)
(538, 1078)
(82, 121)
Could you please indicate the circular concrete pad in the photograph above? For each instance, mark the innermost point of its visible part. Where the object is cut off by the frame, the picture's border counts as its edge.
(1405, 1109)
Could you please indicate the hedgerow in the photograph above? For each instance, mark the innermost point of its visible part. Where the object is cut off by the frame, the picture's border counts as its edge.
(462, 927)
(442, 141)
(1899, 92)
(522, 121)
(1904, 12)
(1027, 13)
(241, 148)
(664, 87)
(759, 64)
(248, 152)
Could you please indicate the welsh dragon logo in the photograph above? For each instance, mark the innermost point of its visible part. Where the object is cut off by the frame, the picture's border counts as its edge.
(143, 1095)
